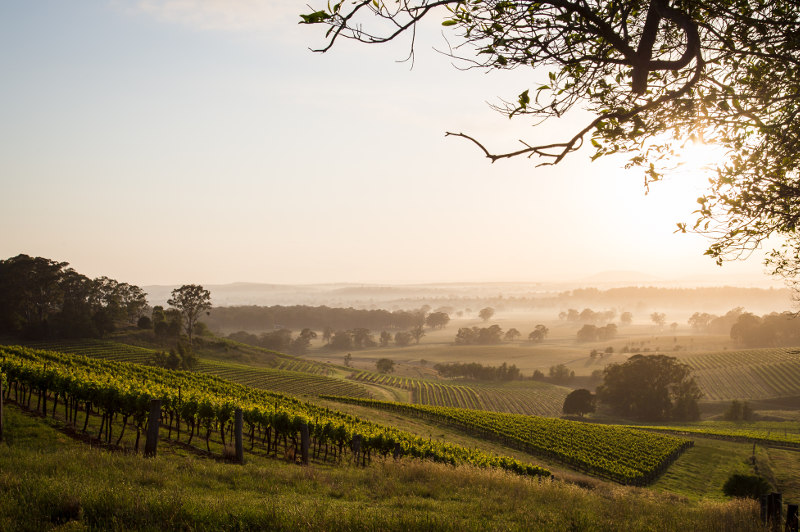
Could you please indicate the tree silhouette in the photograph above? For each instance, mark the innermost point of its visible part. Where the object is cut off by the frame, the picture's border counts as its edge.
(654, 74)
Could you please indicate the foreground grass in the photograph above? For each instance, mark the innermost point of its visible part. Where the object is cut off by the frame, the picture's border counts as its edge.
(51, 482)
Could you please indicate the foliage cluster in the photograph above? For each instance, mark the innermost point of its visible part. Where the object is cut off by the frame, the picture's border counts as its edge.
(653, 387)
(478, 372)
(43, 298)
(592, 333)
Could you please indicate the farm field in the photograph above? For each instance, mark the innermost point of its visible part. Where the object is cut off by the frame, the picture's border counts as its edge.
(747, 374)
(515, 397)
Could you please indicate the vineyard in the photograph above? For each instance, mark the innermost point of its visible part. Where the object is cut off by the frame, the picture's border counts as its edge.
(747, 374)
(130, 353)
(289, 382)
(120, 395)
(529, 397)
(282, 378)
(782, 433)
(622, 454)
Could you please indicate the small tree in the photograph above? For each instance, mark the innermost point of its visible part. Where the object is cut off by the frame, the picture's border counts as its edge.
(191, 300)
(486, 313)
(437, 320)
(626, 318)
(385, 365)
(511, 335)
(348, 359)
(402, 338)
(746, 486)
(417, 333)
(385, 338)
(539, 333)
(659, 318)
(580, 402)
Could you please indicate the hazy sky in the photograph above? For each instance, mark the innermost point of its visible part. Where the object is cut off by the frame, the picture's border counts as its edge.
(200, 141)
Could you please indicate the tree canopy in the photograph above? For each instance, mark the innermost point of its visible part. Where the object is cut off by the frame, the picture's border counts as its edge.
(191, 300)
(42, 298)
(655, 74)
(652, 388)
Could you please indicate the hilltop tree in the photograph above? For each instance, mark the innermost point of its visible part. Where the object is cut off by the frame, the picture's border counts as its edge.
(191, 300)
(655, 74)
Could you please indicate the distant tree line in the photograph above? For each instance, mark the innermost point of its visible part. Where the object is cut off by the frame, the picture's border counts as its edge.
(771, 330)
(297, 317)
(494, 335)
(479, 372)
(43, 298)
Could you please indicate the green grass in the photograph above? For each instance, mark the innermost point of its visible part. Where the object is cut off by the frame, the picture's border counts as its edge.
(701, 471)
(48, 481)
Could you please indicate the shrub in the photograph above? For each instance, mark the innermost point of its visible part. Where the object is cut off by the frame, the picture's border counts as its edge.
(747, 486)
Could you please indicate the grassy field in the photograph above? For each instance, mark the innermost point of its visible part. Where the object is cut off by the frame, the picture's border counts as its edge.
(51, 482)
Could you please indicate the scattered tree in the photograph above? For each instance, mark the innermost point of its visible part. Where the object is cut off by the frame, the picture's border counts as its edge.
(511, 335)
(561, 373)
(191, 300)
(652, 388)
(580, 402)
(348, 359)
(659, 318)
(385, 365)
(417, 333)
(402, 338)
(486, 313)
(626, 318)
(385, 338)
(437, 320)
(539, 333)
(479, 335)
(739, 411)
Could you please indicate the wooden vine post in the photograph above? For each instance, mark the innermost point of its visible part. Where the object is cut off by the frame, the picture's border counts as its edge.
(305, 443)
(153, 424)
(791, 518)
(356, 447)
(237, 428)
(1, 407)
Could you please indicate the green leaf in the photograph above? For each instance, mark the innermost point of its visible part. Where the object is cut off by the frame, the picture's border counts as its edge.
(449, 23)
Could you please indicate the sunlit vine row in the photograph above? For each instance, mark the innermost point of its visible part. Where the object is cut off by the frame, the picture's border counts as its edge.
(206, 405)
(622, 454)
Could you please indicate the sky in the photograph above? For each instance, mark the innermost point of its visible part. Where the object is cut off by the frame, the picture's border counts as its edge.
(202, 141)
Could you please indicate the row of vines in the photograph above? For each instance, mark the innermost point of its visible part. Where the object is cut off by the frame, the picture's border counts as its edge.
(203, 405)
(621, 454)
(530, 398)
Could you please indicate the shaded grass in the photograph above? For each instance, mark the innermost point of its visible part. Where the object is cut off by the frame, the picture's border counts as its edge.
(48, 481)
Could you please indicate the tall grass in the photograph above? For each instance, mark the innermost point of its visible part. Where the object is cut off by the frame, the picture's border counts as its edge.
(49, 481)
